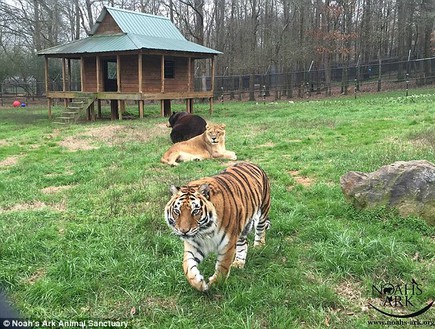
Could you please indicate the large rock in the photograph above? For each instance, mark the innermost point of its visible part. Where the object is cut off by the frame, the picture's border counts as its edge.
(408, 186)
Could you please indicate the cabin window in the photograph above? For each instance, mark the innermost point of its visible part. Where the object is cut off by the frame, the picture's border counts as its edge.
(110, 75)
(169, 69)
(111, 70)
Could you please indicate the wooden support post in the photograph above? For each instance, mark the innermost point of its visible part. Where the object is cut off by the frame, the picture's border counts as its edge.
(99, 109)
(113, 109)
(140, 82)
(47, 86)
(141, 104)
(139, 71)
(189, 74)
(165, 107)
(69, 74)
(64, 78)
(118, 73)
(98, 72)
(49, 107)
(162, 74)
(211, 105)
(120, 108)
(212, 74)
(118, 84)
(92, 109)
(82, 74)
(189, 105)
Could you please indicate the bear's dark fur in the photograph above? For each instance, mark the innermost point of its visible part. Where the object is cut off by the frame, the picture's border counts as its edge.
(185, 126)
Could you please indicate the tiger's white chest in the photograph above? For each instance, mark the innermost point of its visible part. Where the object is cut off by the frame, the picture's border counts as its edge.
(211, 242)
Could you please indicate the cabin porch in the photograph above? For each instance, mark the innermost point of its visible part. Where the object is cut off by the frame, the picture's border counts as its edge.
(135, 77)
(93, 101)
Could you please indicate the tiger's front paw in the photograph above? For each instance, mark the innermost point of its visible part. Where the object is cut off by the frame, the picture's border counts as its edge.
(217, 277)
(200, 285)
(238, 263)
(233, 156)
(213, 279)
(259, 243)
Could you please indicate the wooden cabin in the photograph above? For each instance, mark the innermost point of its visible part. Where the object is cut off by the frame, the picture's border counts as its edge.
(129, 56)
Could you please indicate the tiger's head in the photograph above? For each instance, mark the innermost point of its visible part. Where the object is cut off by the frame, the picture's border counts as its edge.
(190, 213)
(215, 133)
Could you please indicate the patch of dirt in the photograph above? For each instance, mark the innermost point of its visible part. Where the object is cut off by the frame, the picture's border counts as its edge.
(54, 175)
(157, 304)
(33, 206)
(228, 163)
(302, 180)
(9, 161)
(351, 293)
(112, 135)
(55, 189)
(423, 139)
(268, 144)
(74, 143)
(56, 133)
(4, 142)
(294, 141)
(38, 275)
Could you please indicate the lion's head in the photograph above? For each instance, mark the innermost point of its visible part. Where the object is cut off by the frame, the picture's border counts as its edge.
(215, 133)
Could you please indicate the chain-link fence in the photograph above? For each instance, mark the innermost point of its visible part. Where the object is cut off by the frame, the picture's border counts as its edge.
(383, 75)
(377, 76)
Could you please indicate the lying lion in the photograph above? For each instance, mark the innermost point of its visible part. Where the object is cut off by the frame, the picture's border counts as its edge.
(210, 144)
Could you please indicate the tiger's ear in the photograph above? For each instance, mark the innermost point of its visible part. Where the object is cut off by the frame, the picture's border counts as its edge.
(174, 189)
(204, 189)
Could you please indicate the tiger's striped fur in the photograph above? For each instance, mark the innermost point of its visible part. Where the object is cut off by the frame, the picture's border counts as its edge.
(215, 214)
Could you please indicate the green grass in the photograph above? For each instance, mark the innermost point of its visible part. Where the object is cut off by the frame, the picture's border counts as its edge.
(83, 235)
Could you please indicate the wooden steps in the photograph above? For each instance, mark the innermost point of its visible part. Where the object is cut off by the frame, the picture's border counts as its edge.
(75, 109)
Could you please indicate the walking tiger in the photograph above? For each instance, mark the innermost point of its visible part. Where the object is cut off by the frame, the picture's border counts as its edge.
(215, 214)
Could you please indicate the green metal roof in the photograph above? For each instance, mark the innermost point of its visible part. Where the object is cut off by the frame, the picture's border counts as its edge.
(140, 23)
(140, 31)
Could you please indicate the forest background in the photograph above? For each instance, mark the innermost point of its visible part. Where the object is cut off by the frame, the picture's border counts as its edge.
(347, 38)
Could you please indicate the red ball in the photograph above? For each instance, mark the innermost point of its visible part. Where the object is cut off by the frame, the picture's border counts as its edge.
(16, 104)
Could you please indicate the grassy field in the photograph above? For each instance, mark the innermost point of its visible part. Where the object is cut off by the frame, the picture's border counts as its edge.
(83, 235)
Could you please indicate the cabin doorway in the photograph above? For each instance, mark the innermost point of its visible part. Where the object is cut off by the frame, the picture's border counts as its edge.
(110, 70)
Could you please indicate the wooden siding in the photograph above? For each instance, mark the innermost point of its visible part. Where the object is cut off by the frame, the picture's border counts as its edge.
(108, 26)
(151, 74)
(129, 74)
(90, 67)
(180, 80)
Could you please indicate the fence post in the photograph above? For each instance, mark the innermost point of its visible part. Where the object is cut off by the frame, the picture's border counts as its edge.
(308, 81)
(240, 87)
(356, 87)
(344, 79)
(408, 64)
(379, 73)
(358, 73)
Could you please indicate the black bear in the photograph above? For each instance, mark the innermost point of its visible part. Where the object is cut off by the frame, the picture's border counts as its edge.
(185, 126)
